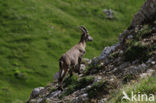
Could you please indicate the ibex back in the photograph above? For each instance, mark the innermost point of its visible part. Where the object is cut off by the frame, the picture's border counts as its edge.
(73, 56)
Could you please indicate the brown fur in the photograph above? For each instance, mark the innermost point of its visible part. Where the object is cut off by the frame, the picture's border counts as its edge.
(73, 56)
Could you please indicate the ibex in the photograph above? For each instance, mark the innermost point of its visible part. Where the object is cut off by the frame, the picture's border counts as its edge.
(73, 57)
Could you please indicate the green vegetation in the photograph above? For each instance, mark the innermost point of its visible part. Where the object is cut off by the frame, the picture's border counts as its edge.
(34, 34)
(114, 54)
(73, 84)
(144, 32)
(92, 69)
(136, 50)
(147, 86)
(97, 89)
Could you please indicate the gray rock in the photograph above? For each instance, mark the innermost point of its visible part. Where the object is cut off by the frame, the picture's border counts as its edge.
(129, 36)
(141, 67)
(84, 96)
(153, 62)
(103, 100)
(147, 13)
(55, 94)
(82, 68)
(36, 92)
(147, 74)
(134, 62)
(107, 50)
(39, 100)
(80, 99)
(126, 64)
(97, 79)
(95, 60)
(150, 61)
(109, 13)
(121, 52)
(89, 86)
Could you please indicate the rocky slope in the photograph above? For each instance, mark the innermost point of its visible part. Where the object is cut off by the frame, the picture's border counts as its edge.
(132, 58)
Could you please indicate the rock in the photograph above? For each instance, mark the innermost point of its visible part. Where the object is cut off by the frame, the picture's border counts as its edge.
(121, 52)
(84, 95)
(126, 64)
(39, 100)
(109, 13)
(95, 60)
(122, 36)
(36, 92)
(89, 86)
(80, 99)
(101, 64)
(146, 14)
(149, 61)
(77, 92)
(107, 50)
(154, 34)
(82, 68)
(102, 100)
(147, 74)
(134, 62)
(129, 36)
(97, 79)
(143, 75)
(150, 72)
(153, 62)
(80, 75)
(140, 68)
(143, 65)
(55, 94)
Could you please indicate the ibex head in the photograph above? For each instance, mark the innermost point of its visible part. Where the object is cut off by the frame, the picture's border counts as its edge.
(85, 34)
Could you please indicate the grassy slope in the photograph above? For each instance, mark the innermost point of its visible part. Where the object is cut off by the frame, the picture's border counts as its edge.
(34, 33)
(145, 86)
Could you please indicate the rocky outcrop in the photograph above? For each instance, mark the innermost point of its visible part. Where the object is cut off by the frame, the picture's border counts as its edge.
(134, 57)
(146, 14)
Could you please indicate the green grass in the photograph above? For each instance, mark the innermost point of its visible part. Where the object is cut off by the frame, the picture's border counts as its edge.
(34, 34)
(144, 86)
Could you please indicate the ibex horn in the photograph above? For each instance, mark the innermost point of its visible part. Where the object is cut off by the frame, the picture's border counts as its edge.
(83, 29)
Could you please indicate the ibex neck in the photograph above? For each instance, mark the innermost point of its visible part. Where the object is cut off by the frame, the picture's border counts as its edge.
(83, 43)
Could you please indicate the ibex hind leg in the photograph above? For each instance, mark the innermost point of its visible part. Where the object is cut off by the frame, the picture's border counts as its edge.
(62, 78)
(62, 74)
(61, 71)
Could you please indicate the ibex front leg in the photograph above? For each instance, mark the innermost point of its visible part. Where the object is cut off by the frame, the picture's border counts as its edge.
(79, 64)
(71, 70)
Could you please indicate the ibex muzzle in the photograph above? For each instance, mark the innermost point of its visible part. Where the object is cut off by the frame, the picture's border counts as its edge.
(84, 30)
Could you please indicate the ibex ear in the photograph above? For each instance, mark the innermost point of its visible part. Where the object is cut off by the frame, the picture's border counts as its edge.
(83, 29)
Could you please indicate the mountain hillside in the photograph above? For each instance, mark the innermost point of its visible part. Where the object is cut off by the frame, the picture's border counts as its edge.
(127, 66)
(34, 34)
